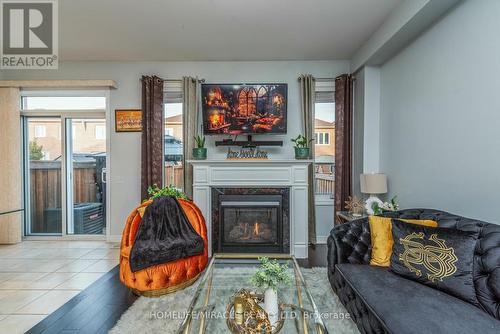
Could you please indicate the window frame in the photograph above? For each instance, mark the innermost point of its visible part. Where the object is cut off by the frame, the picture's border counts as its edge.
(173, 92)
(63, 114)
(43, 133)
(324, 93)
(322, 138)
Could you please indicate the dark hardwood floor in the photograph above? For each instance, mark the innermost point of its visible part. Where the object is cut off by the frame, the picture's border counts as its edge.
(98, 308)
(317, 257)
(94, 310)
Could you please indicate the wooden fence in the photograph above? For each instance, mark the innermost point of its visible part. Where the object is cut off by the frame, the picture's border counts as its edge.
(174, 175)
(45, 184)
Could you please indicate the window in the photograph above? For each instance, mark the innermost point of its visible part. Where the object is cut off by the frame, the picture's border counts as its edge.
(322, 138)
(40, 131)
(63, 102)
(324, 148)
(100, 132)
(173, 151)
(173, 133)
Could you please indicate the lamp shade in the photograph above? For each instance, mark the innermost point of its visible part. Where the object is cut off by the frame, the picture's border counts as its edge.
(373, 183)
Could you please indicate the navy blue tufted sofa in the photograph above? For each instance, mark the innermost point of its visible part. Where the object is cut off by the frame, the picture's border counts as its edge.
(380, 301)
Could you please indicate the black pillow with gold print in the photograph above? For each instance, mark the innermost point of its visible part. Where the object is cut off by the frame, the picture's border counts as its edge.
(441, 258)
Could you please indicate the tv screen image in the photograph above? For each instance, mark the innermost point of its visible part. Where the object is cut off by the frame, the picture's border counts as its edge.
(244, 109)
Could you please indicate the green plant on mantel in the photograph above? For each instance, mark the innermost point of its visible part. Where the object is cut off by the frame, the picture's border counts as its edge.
(271, 274)
(154, 192)
(200, 141)
(301, 141)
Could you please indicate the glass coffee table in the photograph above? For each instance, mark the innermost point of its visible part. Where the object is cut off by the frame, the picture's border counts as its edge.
(226, 275)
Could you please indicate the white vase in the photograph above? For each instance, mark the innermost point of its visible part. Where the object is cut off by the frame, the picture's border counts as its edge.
(271, 306)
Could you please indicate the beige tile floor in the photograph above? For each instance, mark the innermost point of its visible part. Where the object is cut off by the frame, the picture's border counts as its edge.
(37, 277)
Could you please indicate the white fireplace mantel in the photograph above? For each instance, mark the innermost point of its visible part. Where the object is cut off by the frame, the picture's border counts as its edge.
(256, 173)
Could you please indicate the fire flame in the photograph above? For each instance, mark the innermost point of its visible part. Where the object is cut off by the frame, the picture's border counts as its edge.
(251, 231)
(256, 230)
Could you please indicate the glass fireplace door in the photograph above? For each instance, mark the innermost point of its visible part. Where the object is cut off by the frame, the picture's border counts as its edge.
(251, 223)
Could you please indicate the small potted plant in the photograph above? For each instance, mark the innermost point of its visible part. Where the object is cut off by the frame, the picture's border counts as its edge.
(302, 150)
(200, 151)
(270, 275)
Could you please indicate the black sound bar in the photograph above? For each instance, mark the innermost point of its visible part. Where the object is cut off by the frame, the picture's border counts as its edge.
(247, 143)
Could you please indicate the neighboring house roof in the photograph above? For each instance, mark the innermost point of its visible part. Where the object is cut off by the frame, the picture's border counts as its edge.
(174, 119)
(324, 159)
(319, 123)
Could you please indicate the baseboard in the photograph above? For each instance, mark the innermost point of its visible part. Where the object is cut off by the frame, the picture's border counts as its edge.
(69, 237)
(114, 238)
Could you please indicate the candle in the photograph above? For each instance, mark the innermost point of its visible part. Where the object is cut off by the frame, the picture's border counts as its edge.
(238, 310)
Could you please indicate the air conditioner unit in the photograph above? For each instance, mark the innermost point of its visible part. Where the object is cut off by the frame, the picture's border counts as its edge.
(88, 219)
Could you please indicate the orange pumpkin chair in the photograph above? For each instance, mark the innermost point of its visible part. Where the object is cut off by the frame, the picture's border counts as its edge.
(164, 278)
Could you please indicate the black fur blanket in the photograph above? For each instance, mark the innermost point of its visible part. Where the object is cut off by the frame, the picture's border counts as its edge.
(164, 235)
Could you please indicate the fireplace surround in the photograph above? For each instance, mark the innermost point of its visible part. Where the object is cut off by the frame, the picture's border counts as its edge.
(250, 220)
(256, 174)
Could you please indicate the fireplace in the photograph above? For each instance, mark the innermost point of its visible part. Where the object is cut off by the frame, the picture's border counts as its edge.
(250, 220)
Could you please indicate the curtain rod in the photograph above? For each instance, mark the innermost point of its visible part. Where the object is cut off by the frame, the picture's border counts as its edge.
(328, 79)
(175, 80)
(321, 79)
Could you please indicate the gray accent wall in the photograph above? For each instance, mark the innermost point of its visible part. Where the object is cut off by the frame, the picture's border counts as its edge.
(440, 115)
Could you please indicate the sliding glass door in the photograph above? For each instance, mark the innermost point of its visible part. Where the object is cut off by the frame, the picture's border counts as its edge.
(86, 183)
(64, 165)
(43, 176)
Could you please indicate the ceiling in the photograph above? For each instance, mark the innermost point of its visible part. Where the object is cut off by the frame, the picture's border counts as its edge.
(162, 30)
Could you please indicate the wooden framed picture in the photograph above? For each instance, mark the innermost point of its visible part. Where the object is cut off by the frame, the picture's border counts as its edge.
(128, 120)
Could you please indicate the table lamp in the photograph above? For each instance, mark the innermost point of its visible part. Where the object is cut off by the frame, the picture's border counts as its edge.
(373, 184)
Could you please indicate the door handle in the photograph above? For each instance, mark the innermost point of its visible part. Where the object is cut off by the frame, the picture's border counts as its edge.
(103, 175)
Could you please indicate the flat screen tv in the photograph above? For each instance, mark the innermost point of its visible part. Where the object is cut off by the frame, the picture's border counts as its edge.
(244, 109)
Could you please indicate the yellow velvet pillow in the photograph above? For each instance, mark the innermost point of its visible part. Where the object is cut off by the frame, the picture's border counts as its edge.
(381, 235)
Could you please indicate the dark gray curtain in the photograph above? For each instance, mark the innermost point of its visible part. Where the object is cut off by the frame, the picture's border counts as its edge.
(307, 95)
(343, 139)
(152, 133)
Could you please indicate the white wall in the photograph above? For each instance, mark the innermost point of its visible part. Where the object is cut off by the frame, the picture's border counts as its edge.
(371, 129)
(440, 115)
(125, 147)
